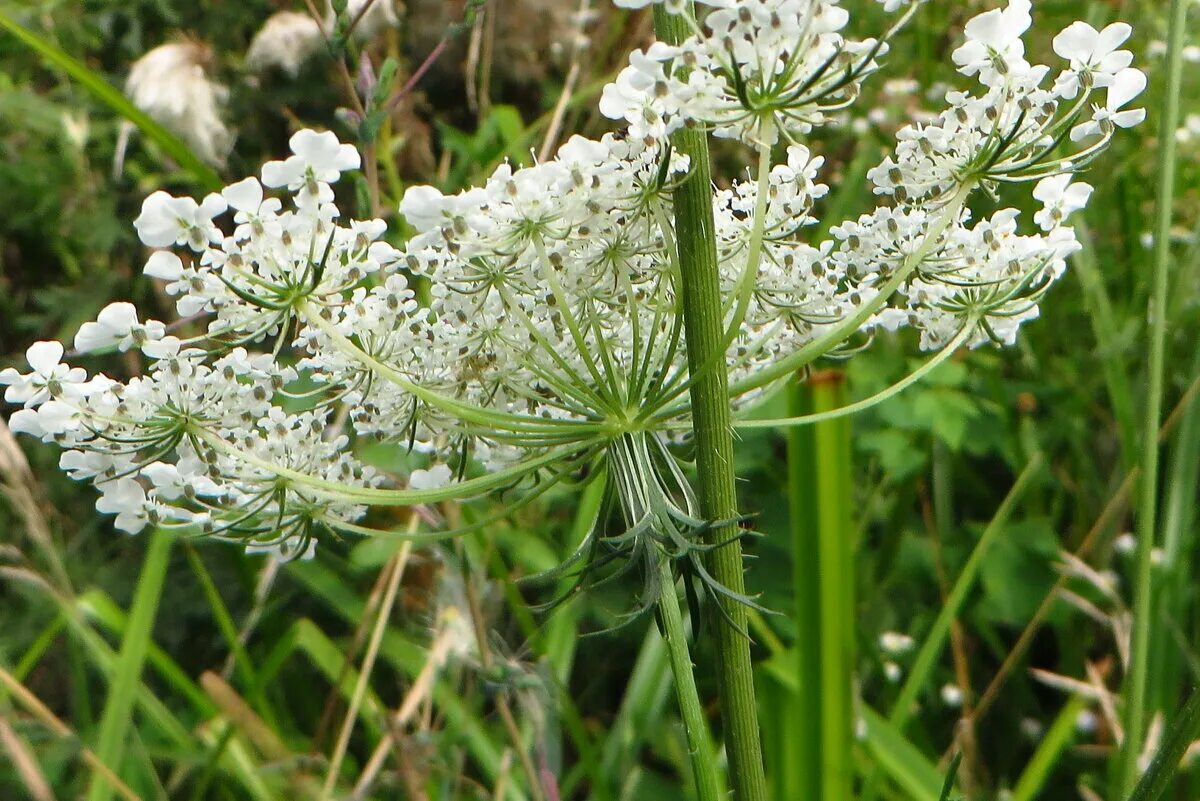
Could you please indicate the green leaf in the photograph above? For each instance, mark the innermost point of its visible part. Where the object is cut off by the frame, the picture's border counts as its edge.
(118, 706)
(899, 759)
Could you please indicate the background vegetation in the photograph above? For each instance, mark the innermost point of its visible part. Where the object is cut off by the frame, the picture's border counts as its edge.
(984, 513)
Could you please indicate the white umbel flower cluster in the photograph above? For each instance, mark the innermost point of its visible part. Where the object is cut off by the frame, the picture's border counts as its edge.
(532, 327)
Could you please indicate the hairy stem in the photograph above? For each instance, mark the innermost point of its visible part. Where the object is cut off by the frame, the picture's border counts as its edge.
(711, 422)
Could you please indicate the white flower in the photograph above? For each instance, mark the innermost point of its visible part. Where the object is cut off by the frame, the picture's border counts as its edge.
(126, 499)
(1126, 85)
(894, 642)
(117, 324)
(49, 377)
(1091, 52)
(167, 220)
(50, 419)
(165, 265)
(994, 48)
(319, 159)
(171, 84)
(186, 479)
(892, 672)
(1060, 198)
(253, 211)
(435, 477)
(952, 695)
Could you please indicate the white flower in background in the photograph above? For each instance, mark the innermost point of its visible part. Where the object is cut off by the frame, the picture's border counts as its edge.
(286, 40)
(895, 643)
(171, 83)
(1060, 198)
(49, 378)
(892, 672)
(1125, 86)
(117, 324)
(952, 695)
(374, 16)
(1087, 722)
(1190, 130)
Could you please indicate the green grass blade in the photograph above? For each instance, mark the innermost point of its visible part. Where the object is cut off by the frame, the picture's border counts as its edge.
(1050, 749)
(107, 94)
(1166, 762)
(899, 759)
(100, 608)
(229, 631)
(118, 706)
(935, 641)
(951, 775)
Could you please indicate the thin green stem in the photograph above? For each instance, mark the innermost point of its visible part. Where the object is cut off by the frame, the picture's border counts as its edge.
(849, 326)
(1135, 690)
(468, 488)
(505, 421)
(852, 408)
(711, 418)
(700, 747)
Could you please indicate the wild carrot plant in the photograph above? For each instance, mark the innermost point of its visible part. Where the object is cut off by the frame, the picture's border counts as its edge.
(604, 315)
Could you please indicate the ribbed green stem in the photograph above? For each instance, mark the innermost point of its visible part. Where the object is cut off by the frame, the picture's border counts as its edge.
(711, 421)
(1135, 690)
(700, 747)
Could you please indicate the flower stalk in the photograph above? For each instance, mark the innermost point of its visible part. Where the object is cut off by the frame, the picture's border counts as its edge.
(1136, 694)
(712, 426)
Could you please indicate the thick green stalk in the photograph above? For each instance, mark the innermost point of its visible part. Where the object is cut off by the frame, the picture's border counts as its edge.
(711, 424)
(118, 707)
(1135, 690)
(835, 556)
(805, 748)
(700, 747)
